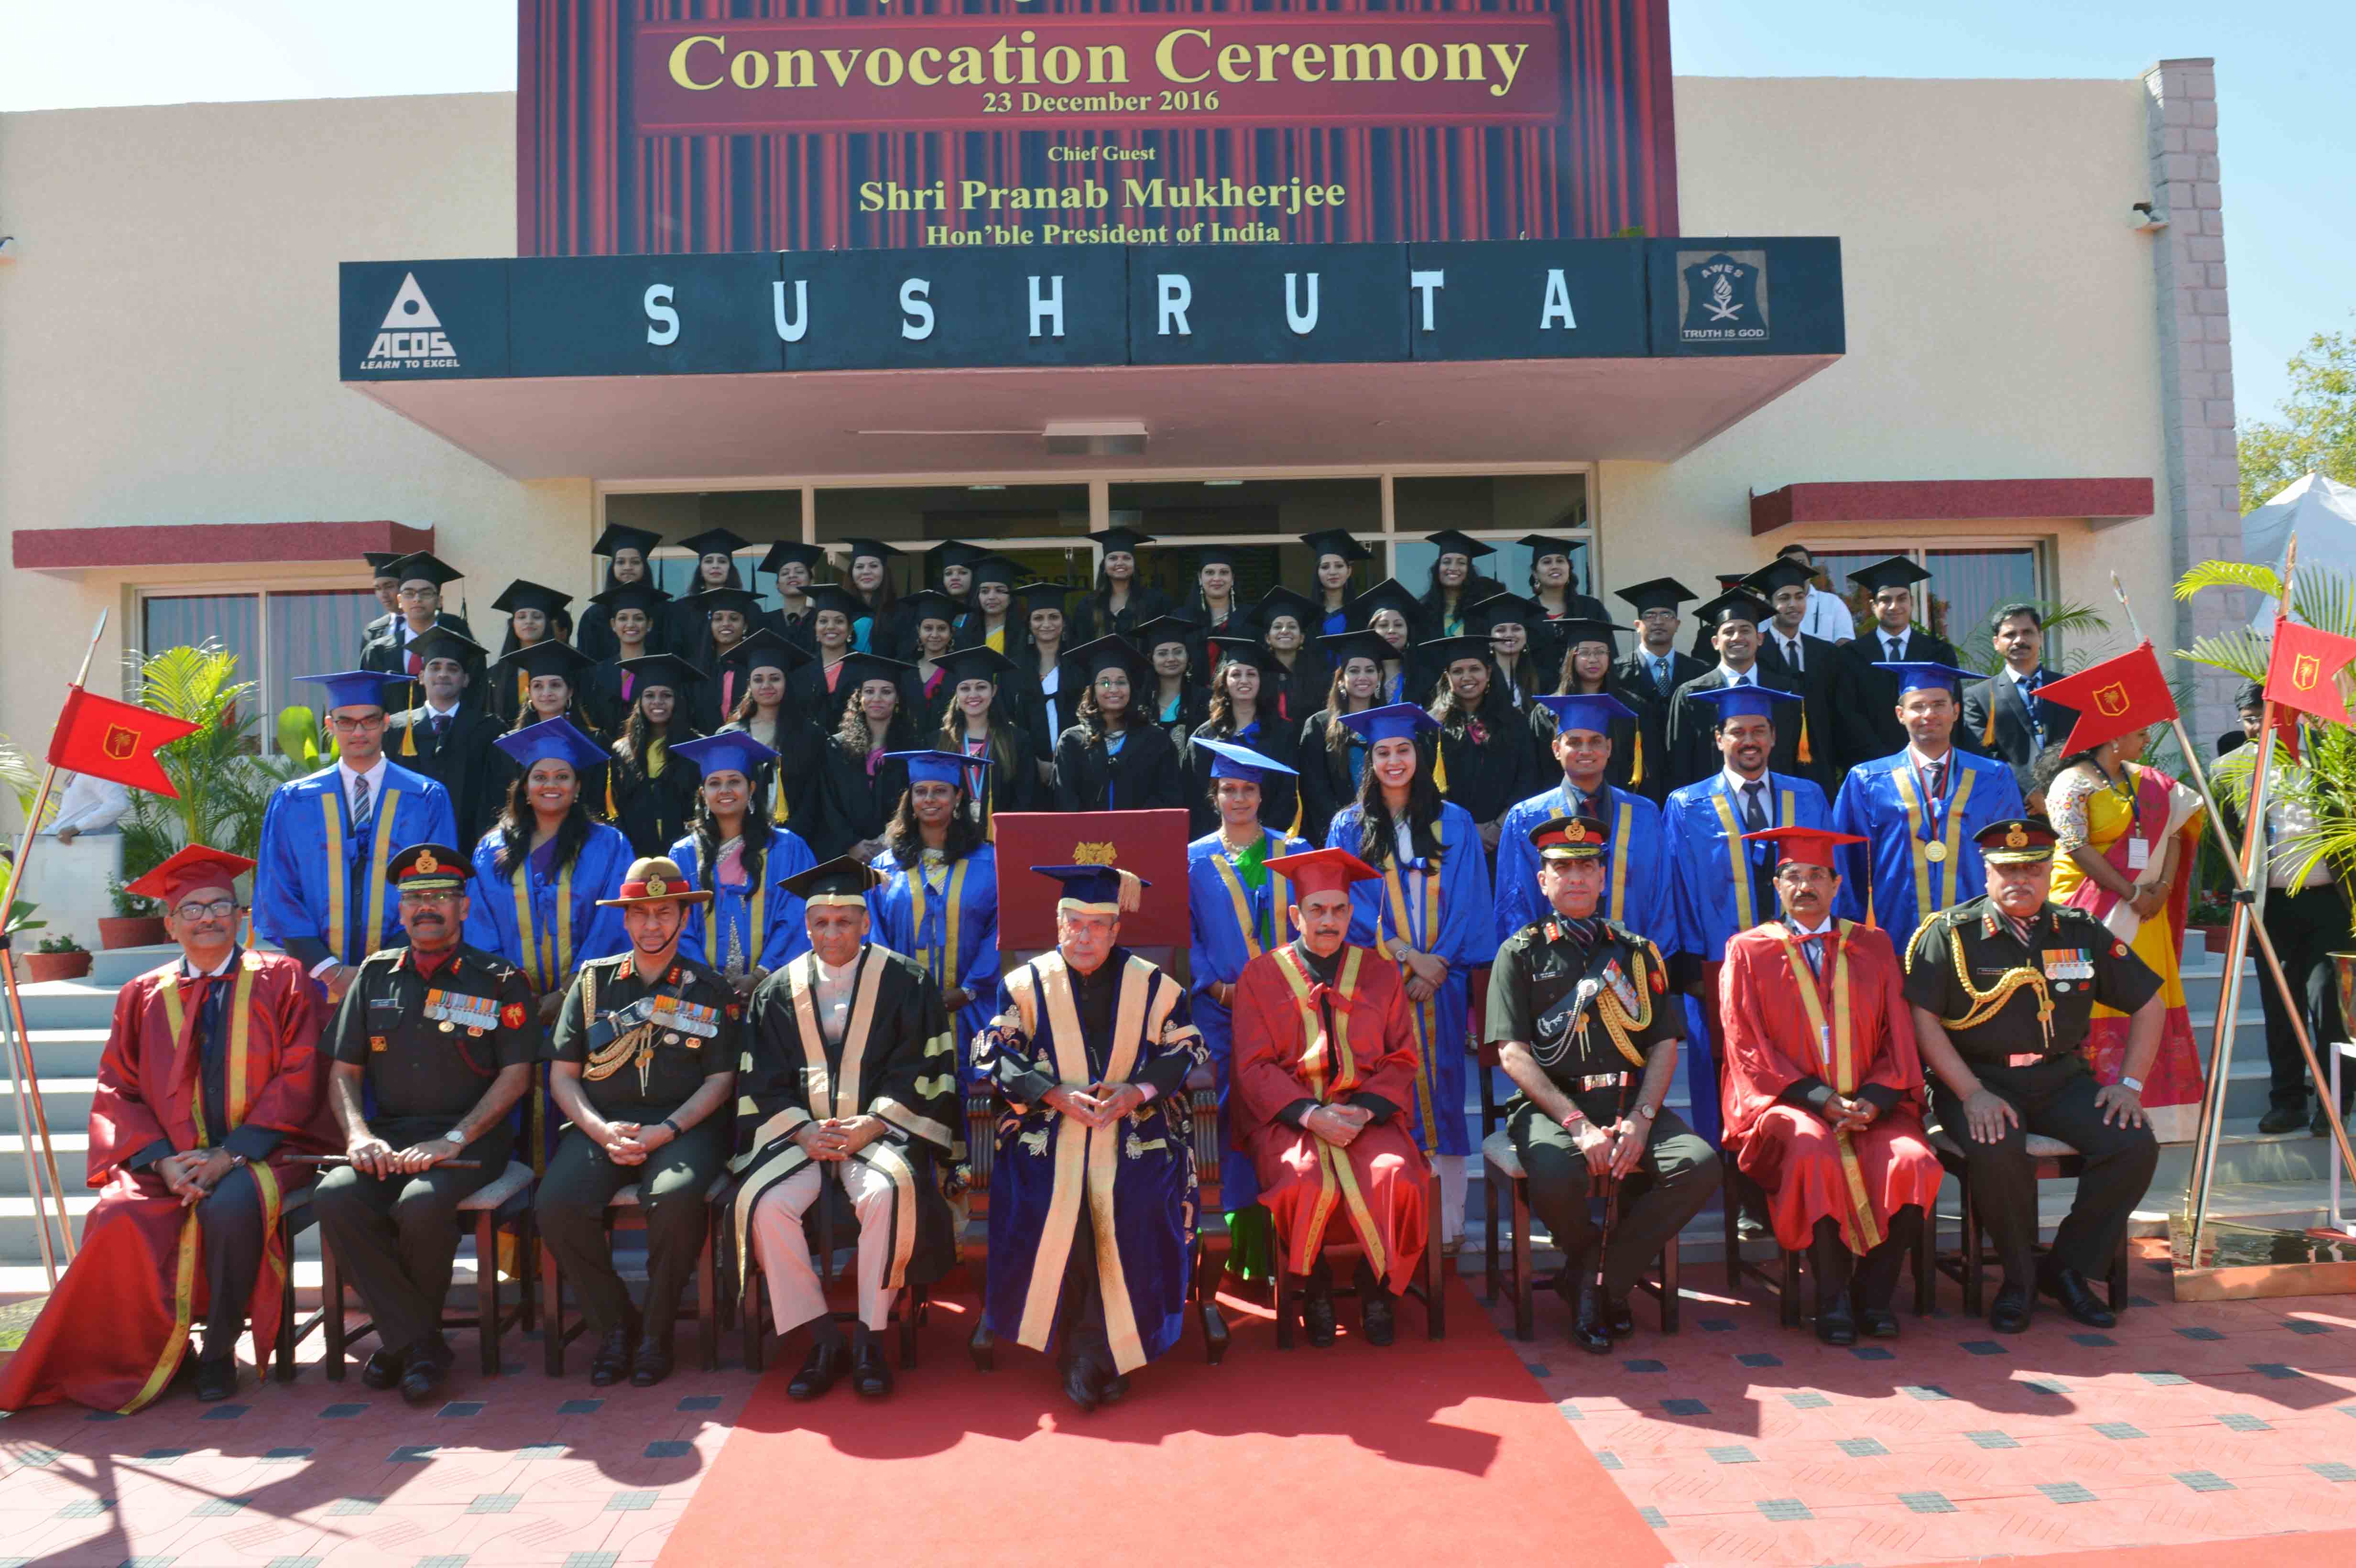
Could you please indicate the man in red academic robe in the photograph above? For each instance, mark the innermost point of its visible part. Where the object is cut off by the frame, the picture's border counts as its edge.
(208, 1087)
(1824, 1090)
(1326, 1059)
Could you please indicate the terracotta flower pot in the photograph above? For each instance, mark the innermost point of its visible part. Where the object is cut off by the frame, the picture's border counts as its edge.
(40, 966)
(2344, 970)
(129, 931)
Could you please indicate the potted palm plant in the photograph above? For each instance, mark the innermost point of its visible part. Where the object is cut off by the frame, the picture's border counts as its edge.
(219, 771)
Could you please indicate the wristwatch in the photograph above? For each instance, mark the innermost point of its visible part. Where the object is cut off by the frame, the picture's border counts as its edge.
(1647, 1111)
(456, 1135)
(2133, 1084)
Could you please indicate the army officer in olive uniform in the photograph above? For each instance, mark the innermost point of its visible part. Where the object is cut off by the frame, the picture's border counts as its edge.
(2002, 987)
(439, 1037)
(644, 1058)
(1579, 1007)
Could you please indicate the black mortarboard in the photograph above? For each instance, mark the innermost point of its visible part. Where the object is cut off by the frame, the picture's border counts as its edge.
(875, 548)
(631, 596)
(725, 596)
(1283, 600)
(980, 662)
(1891, 571)
(661, 669)
(1250, 650)
(766, 650)
(1163, 629)
(1110, 652)
(1657, 594)
(1037, 596)
(442, 643)
(787, 552)
(993, 569)
(1335, 541)
(1509, 610)
(621, 536)
(714, 541)
(421, 565)
(1389, 594)
(1445, 651)
(380, 562)
(954, 552)
(931, 604)
(549, 658)
(1575, 630)
(839, 880)
(1343, 646)
(1452, 542)
(525, 594)
(1736, 606)
(1214, 555)
(1777, 575)
(1124, 541)
(1541, 545)
(833, 596)
(861, 668)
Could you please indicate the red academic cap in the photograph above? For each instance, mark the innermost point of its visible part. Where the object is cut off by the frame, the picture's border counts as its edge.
(1321, 871)
(1806, 846)
(197, 866)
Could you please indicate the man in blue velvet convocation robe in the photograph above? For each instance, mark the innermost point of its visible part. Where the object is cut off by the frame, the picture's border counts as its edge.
(1919, 810)
(1725, 886)
(1092, 1198)
(1636, 889)
(319, 891)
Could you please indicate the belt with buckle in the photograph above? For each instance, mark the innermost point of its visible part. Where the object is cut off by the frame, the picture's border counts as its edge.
(1600, 1080)
(2024, 1058)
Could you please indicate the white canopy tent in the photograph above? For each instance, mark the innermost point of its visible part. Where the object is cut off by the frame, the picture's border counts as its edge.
(2322, 512)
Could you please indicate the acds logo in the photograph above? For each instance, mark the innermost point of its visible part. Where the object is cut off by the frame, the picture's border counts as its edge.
(412, 338)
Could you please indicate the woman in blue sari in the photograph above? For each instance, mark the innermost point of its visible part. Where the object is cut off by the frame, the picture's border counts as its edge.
(1431, 912)
(735, 853)
(544, 865)
(938, 900)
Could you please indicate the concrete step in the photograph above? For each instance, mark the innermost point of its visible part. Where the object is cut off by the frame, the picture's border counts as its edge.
(68, 1004)
(114, 965)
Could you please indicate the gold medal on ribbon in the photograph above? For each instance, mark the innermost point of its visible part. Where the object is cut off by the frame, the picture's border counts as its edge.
(449, 1028)
(1934, 851)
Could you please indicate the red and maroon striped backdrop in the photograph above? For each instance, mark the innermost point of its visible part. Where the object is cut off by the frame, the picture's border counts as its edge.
(587, 184)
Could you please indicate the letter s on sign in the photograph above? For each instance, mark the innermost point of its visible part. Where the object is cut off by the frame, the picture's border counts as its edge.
(662, 321)
(919, 324)
(678, 61)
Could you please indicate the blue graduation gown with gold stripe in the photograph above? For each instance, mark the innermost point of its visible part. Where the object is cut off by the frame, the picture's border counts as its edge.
(1054, 1178)
(1231, 924)
(1638, 892)
(1704, 824)
(1447, 913)
(1892, 881)
(319, 888)
(953, 934)
(549, 926)
(729, 922)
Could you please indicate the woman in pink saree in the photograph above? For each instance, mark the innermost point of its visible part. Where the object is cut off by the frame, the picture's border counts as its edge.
(2127, 833)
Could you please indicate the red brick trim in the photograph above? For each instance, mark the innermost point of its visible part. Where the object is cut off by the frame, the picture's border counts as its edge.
(209, 544)
(1950, 500)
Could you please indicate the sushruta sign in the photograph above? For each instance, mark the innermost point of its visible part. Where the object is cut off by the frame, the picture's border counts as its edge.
(1022, 124)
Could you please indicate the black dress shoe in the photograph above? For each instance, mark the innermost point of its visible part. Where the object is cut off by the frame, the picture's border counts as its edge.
(1878, 1322)
(1114, 1390)
(2008, 1314)
(1082, 1386)
(1837, 1320)
(1375, 1319)
(2287, 1119)
(382, 1371)
(1588, 1327)
(1317, 1322)
(2068, 1286)
(651, 1363)
(216, 1379)
(2320, 1124)
(611, 1364)
(820, 1367)
(1617, 1317)
(421, 1383)
(871, 1376)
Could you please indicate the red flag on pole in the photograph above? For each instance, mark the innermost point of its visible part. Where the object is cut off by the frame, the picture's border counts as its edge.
(115, 741)
(2303, 670)
(2129, 692)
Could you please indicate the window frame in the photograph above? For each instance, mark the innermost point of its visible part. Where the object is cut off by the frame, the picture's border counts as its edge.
(248, 587)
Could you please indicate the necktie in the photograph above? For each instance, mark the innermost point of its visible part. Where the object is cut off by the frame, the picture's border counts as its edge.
(1895, 649)
(416, 665)
(1792, 655)
(1938, 785)
(1812, 948)
(1661, 673)
(441, 725)
(360, 809)
(209, 1019)
(1754, 807)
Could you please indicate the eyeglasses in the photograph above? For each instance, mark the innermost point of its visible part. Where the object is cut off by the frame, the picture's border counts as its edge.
(417, 593)
(430, 896)
(350, 726)
(211, 909)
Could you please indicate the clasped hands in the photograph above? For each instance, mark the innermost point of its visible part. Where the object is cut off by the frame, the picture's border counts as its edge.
(1096, 1104)
(1614, 1150)
(1426, 972)
(837, 1137)
(1338, 1125)
(630, 1143)
(1848, 1114)
(191, 1175)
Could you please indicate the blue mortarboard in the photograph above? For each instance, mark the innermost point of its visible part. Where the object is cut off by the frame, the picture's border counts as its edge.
(1744, 702)
(733, 753)
(1914, 676)
(553, 740)
(1586, 710)
(352, 688)
(933, 767)
(1399, 722)
(1229, 761)
(1094, 890)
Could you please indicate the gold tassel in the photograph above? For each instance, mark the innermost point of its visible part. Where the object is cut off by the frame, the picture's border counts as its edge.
(1293, 830)
(409, 738)
(611, 814)
(1636, 773)
(1438, 765)
(779, 807)
(1805, 756)
(523, 689)
(1987, 730)
(1132, 891)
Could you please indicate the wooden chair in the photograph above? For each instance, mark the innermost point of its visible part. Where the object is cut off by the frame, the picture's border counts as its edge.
(500, 1206)
(1342, 1245)
(2055, 1160)
(1784, 1283)
(294, 1218)
(1504, 1164)
(910, 1309)
(623, 1214)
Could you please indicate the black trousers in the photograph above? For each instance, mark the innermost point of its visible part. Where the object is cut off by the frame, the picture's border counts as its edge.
(2056, 1100)
(2305, 926)
(1673, 1178)
(229, 1222)
(1084, 1339)
(581, 1180)
(397, 1236)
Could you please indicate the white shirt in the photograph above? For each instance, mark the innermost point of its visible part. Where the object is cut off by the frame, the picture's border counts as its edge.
(832, 993)
(90, 805)
(1889, 654)
(2286, 820)
(1748, 677)
(375, 776)
(1735, 783)
(1828, 617)
(1796, 929)
(1788, 646)
(432, 713)
(189, 970)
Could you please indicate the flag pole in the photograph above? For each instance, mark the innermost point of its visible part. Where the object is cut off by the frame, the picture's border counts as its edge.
(32, 1116)
(2245, 926)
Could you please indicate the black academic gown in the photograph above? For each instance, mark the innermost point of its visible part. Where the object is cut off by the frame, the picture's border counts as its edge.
(1145, 776)
(1692, 742)
(1089, 621)
(458, 759)
(1193, 710)
(802, 752)
(807, 694)
(1635, 673)
(1817, 683)
(385, 654)
(1547, 637)
(851, 805)
(1325, 783)
(1489, 764)
(1865, 698)
(653, 813)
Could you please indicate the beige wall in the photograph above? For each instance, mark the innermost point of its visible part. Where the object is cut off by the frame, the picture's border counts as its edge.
(2000, 315)
(167, 337)
(168, 347)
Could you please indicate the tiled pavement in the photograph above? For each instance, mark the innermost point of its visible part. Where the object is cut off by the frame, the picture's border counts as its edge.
(1741, 1442)
(1738, 1443)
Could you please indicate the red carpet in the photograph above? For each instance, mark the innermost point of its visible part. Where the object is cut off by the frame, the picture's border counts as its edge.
(1348, 1454)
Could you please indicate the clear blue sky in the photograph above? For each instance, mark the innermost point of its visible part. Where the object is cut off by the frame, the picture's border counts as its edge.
(2284, 121)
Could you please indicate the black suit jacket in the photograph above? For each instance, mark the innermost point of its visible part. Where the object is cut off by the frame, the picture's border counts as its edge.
(386, 654)
(1635, 671)
(1817, 682)
(1693, 730)
(1865, 698)
(459, 760)
(2015, 739)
